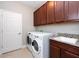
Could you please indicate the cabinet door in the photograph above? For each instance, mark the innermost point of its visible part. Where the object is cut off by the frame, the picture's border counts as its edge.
(43, 14)
(35, 18)
(50, 12)
(66, 10)
(71, 10)
(54, 52)
(38, 17)
(67, 54)
(59, 11)
(78, 9)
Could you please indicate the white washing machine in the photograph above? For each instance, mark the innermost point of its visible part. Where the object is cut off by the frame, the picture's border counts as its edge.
(40, 44)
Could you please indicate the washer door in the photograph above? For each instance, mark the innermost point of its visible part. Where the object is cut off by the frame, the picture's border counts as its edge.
(36, 47)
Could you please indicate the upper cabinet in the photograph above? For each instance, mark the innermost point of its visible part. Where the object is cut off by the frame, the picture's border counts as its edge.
(56, 12)
(59, 11)
(71, 10)
(36, 18)
(50, 12)
(40, 16)
(43, 14)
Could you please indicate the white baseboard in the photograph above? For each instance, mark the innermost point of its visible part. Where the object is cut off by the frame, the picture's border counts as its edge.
(24, 46)
(0, 52)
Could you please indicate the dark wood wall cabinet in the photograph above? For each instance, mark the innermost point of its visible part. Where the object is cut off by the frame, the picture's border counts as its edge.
(62, 50)
(40, 15)
(56, 12)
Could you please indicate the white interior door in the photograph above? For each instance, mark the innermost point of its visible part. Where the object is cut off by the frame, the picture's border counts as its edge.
(12, 31)
(1, 30)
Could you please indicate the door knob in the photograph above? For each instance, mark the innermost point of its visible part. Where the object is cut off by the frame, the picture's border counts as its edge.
(19, 33)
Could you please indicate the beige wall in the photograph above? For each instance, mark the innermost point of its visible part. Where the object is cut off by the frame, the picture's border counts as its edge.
(27, 21)
(71, 28)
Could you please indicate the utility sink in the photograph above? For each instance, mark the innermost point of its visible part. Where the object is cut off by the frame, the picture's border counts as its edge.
(67, 40)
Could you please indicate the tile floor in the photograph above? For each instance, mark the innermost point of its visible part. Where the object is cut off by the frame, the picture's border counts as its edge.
(20, 53)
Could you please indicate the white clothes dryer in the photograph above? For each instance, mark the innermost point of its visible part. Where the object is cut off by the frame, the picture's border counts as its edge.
(29, 41)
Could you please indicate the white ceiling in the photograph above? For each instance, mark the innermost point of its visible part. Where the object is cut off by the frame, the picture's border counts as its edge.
(33, 4)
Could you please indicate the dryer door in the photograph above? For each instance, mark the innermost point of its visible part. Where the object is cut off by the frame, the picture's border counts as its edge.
(29, 40)
(36, 46)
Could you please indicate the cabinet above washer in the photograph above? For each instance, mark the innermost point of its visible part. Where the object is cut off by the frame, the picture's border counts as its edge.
(57, 12)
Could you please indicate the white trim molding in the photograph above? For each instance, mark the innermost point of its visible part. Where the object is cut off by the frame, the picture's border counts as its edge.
(24, 46)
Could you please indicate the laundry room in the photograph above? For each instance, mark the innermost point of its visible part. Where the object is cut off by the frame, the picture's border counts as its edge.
(39, 29)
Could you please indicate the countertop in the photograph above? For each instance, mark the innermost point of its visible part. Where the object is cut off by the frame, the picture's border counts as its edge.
(77, 44)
